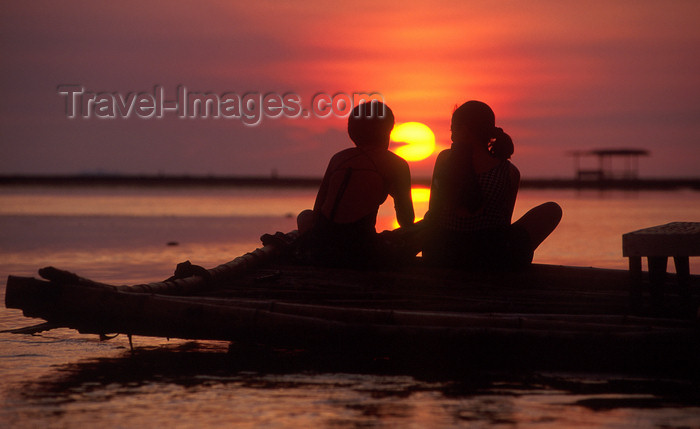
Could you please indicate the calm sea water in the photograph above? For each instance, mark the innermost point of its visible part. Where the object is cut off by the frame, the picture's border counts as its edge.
(125, 235)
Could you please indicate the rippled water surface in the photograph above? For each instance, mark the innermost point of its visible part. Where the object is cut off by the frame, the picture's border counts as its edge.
(61, 378)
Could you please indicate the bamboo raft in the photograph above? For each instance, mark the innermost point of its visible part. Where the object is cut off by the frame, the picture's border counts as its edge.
(553, 317)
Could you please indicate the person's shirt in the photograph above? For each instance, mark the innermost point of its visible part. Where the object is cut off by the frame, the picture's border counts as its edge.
(492, 205)
(358, 180)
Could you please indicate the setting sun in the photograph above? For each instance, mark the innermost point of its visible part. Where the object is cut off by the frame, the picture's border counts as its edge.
(418, 141)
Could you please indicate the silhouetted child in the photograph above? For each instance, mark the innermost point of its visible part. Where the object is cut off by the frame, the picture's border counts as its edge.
(340, 231)
(472, 198)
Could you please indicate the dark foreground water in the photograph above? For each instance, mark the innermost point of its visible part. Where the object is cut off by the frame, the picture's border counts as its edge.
(61, 378)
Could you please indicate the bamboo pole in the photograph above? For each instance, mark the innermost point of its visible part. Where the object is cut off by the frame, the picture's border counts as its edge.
(546, 321)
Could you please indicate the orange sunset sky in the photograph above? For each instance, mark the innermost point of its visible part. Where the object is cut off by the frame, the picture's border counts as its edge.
(560, 76)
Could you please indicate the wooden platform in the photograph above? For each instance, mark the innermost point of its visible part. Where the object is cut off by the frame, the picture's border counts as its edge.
(679, 240)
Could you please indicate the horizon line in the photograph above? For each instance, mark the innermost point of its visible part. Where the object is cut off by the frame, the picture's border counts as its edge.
(117, 179)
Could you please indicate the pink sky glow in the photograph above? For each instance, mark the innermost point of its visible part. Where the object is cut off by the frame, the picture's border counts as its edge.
(560, 75)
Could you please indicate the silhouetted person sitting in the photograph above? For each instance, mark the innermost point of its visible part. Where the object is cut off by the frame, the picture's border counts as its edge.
(340, 231)
(473, 193)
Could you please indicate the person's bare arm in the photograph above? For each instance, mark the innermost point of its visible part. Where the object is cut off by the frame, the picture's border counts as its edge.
(436, 202)
(403, 203)
(323, 190)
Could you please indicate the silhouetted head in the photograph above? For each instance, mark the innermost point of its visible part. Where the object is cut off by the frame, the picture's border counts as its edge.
(370, 124)
(475, 120)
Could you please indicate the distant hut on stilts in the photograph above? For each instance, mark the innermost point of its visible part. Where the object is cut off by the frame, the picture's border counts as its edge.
(605, 171)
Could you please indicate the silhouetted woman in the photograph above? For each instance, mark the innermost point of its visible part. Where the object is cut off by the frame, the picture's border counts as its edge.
(472, 197)
(340, 231)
